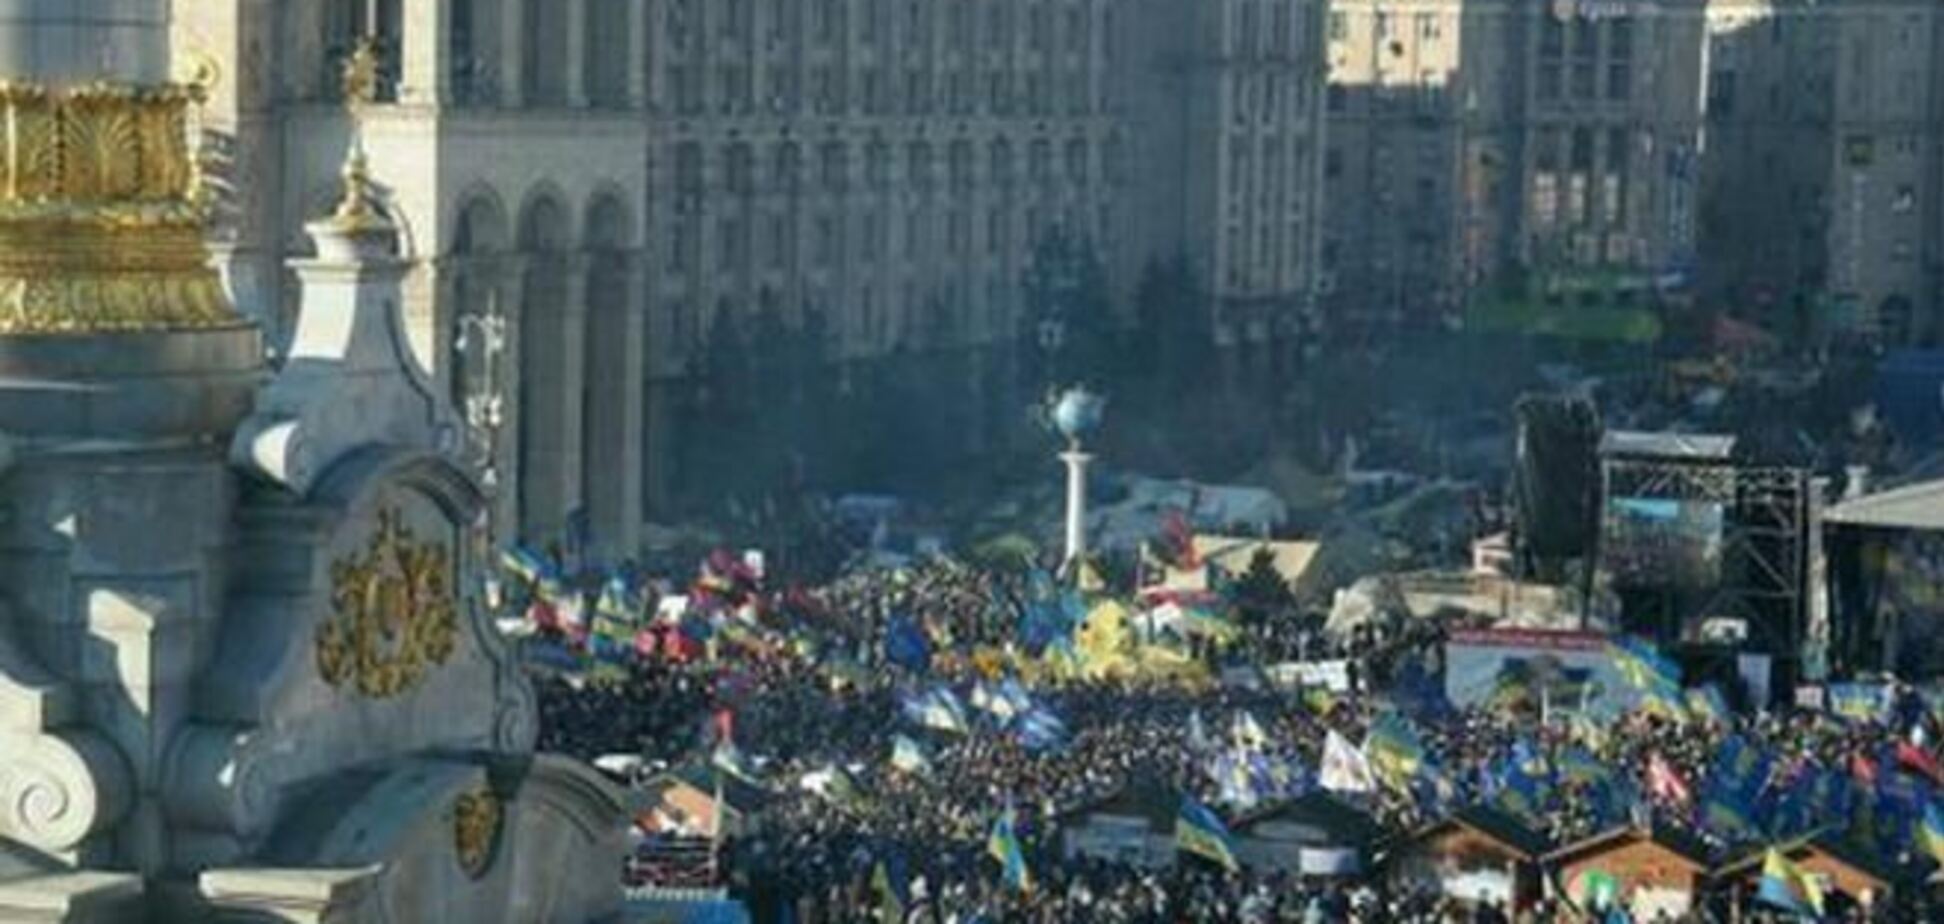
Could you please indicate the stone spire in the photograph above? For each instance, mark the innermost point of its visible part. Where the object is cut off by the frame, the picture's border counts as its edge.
(102, 206)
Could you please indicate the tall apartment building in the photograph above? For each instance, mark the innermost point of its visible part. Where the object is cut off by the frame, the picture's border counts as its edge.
(620, 177)
(1823, 189)
(1229, 117)
(1478, 141)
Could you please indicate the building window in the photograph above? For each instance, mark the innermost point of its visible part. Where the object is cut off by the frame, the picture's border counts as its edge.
(1903, 200)
(1428, 27)
(1339, 26)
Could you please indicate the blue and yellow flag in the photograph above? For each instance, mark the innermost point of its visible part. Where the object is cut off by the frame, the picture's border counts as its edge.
(1642, 665)
(1200, 832)
(1785, 886)
(1930, 835)
(1860, 702)
(1708, 705)
(1394, 749)
(1003, 846)
(893, 891)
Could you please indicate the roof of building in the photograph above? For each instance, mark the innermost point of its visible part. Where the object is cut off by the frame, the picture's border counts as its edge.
(1148, 800)
(1689, 447)
(1917, 507)
(1338, 818)
(1496, 824)
(742, 796)
(1830, 843)
(1680, 843)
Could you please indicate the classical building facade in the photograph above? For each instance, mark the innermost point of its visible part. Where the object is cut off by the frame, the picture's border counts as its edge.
(1472, 140)
(1777, 158)
(620, 177)
(1822, 203)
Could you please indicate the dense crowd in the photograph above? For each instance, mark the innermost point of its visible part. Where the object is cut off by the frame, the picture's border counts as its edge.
(818, 856)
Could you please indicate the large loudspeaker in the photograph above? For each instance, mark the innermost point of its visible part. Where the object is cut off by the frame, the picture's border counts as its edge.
(1557, 476)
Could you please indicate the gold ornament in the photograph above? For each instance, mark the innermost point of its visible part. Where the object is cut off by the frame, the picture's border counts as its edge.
(476, 822)
(102, 212)
(393, 614)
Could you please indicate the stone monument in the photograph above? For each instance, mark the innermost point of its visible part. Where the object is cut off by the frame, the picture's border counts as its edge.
(244, 671)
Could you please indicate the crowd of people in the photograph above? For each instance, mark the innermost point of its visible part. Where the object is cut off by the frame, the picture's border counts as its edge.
(831, 704)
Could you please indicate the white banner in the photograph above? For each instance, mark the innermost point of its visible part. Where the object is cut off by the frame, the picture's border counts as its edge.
(1332, 675)
(1328, 861)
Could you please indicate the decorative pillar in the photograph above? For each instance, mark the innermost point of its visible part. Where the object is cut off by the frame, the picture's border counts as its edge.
(576, 11)
(426, 75)
(571, 407)
(634, 410)
(641, 57)
(1076, 507)
(512, 58)
(511, 280)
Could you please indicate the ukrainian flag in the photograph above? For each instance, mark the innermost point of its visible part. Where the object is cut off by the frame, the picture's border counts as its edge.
(1200, 832)
(1786, 886)
(524, 563)
(1708, 704)
(1003, 846)
(1930, 835)
(893, 892)
(1394, 748)
(1642, 665)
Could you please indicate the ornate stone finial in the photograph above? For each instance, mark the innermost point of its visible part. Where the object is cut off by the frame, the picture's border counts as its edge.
(356, 213)
(361, 71)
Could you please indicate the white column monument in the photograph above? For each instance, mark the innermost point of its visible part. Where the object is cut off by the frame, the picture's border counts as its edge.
(1076, 413)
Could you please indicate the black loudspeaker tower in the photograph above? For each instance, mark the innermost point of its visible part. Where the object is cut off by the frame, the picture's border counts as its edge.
(1557, 477)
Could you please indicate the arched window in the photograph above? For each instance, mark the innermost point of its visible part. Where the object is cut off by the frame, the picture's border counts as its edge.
(543, 236)
(961, 166)
(1001, 170)
(787, 173)
(604, 359)
(477, 239)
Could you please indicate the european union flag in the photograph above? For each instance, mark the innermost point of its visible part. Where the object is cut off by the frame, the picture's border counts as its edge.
(906, 645)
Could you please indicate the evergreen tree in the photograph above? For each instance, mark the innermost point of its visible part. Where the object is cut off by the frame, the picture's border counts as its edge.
(1262, 593)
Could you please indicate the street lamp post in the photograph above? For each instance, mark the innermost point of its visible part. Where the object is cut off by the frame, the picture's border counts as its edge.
(482, 340)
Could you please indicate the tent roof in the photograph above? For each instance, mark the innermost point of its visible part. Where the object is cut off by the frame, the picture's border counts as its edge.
(1919, 507)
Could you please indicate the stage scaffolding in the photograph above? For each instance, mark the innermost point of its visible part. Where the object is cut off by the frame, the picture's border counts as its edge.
(1765, 543)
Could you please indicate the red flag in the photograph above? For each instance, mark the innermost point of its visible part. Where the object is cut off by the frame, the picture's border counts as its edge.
(1181, 538)
(645, 643)
(725, 726)
(1665, 782)
(543, 615)
(1917, 760)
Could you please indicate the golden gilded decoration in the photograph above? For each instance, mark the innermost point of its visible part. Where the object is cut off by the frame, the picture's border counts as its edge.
(102, 209)
(393, 614)
(476, 822)
(356, 212)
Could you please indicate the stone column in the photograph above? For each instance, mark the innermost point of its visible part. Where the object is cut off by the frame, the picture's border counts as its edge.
(442, 279)
(573, 384)
(512, 57)
(427, 71)
(634, 410)
(511, 280)
(576, 12)
(641, 57)
(1076, 509)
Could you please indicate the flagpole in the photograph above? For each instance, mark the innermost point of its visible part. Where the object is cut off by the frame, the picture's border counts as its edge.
(715, 832)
